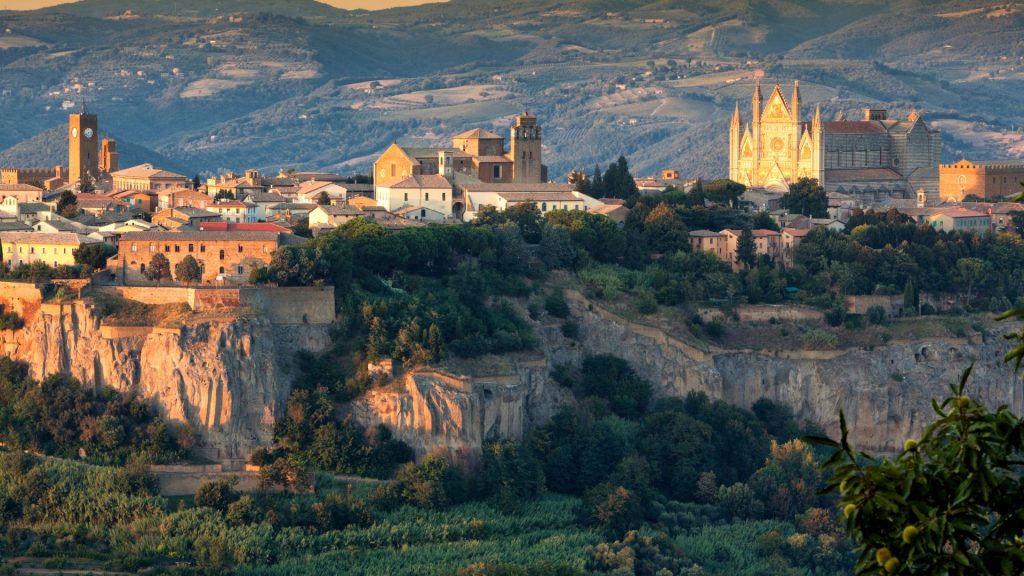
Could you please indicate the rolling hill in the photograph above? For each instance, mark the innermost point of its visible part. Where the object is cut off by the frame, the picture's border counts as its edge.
(212, 85)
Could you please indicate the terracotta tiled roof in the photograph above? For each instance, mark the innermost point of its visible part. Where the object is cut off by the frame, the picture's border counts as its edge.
(705, 234)
(515, 187)
(423, 181)
(958, 212)
(240, 227)
(493, 159)
(852, 127)
(477, 133)
(19, 188)
(200, 235)
(230, 204)
(145, 171)
(69, 238)
(797, 232)
(539, 197)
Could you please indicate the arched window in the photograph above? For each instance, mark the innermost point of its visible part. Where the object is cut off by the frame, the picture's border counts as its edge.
(423, 213)
(221, 269)
(191, 248)
(221, 257)
(543, 206)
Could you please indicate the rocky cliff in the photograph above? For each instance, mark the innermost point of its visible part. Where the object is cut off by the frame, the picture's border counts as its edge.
(227, 378)
(885, 392)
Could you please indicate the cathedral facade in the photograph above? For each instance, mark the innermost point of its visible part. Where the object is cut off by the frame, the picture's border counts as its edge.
(871, 158)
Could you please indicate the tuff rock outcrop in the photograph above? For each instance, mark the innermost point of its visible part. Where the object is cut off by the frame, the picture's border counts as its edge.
(227, 378)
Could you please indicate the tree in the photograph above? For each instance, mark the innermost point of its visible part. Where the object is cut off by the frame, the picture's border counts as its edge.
(806, 197)
(746, 250)
(223, 195)
(724, 191)
(188, 270)
(67, 204)
(159, 268)
(949, 503)
(909, 297)
(94, 255)
(556, 246)
(86, 183)
(218, 494)
(970, 271)
(322, 198)
(664, 231)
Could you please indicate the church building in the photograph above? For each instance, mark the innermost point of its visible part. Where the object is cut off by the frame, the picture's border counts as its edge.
(872, 158)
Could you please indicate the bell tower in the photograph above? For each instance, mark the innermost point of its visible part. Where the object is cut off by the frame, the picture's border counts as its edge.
(83, 147)
(525, 150)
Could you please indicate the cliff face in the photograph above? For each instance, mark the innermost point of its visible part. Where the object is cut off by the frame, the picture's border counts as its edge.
(886, 392)
(228, 379)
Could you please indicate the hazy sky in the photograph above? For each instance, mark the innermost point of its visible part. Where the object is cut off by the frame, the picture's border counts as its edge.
(349, 4)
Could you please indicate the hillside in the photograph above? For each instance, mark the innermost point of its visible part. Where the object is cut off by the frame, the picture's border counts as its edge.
(272, 84)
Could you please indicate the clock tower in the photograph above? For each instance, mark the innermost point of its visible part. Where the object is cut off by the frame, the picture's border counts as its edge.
(83, 146)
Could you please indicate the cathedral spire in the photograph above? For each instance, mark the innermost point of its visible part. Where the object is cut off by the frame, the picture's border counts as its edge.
(756, 103)
(817, 117)
(796, 100)
(736, 115)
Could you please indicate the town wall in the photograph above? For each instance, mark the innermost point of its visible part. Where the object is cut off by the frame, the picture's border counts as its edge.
(22, 298)
(281, 305)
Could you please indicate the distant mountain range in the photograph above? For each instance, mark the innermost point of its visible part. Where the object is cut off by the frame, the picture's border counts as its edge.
(203, 86)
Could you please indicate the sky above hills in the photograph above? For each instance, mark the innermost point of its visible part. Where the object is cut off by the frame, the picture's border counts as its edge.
(347, 4)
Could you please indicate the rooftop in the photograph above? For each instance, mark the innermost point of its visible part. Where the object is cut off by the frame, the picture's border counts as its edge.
(205, 236)
(477, 134)
(145, 171)
(240, 227)
(68, 238)
(423, 181)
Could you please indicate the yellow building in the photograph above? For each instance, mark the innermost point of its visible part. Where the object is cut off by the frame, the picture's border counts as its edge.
(53, 249)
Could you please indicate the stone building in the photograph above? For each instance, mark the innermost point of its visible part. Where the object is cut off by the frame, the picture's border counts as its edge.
(872, 158)
(83, 146)
(477, 154)
(986, 180)
(146, 177)
(223, 256)
(53, 249)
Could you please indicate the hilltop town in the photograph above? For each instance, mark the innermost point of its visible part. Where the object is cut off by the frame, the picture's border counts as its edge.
(458, 323)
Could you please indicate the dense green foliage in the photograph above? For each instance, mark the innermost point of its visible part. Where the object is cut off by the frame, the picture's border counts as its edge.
(61, 417)
(94, 255)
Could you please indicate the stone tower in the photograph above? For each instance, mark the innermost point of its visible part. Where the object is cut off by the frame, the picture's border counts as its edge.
(83, 147)
(525, 150)
(109, 158)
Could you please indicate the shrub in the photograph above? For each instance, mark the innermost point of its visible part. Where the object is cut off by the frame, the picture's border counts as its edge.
(714, 329)
(815, 339)
(835, 316)
(10, 321)
(571, 329)
(927, 309)
(877, 315)
(556, 305)
(646, 303)
(218, 495)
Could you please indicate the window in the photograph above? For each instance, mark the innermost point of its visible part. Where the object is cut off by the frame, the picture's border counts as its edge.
(406, 196)
(543, 206)
(142, 268)
(423, 213)
(202, 247)
(444, 196)
(221, 257)
(44, 249)
(167, 247)
(191, 248)
(177, 248)
(497, 172)
(240, 249)
(426, 196)
(134, 247)
(221, 270)
(32, 250)
(393, 169)
(240, 270)
(152, 247)
(265, 249)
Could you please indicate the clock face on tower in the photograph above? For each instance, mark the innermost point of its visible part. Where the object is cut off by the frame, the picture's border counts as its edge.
(87, 133)
(74, 132)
